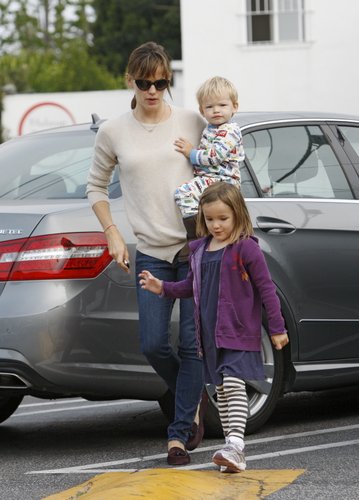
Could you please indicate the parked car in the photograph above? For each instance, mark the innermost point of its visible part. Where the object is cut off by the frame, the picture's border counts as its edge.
(68, 314)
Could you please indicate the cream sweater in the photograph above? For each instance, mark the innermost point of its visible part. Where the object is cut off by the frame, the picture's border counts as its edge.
(150, 170)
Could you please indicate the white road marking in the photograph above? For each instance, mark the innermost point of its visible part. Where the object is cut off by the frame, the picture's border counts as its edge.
(54, 402)
(82, 407)
(104, 466)
(293, 451)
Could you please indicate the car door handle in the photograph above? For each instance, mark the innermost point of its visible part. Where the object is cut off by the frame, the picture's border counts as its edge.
(272, 225)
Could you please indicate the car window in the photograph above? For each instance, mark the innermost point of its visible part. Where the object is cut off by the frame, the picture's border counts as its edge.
(247, 185)
(49, 166)
(352, 135)
(295, 161)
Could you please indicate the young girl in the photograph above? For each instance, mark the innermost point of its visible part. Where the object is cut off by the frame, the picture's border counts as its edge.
(230, 281)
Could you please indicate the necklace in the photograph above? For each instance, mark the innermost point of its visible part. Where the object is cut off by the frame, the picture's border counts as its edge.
(150, 127)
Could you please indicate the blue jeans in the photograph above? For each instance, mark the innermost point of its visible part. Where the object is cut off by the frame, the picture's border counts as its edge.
(181, 370)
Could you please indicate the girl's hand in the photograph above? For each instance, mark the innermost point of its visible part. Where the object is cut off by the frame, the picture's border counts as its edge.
(280, 340)
(183, 146)
(150, 283)
(117, 248)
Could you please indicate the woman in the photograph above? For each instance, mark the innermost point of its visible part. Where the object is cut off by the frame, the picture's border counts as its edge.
(141, 142)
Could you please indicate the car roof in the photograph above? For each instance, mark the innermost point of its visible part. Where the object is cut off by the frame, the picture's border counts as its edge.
(94, 125)
(246, 118)
(66, 128)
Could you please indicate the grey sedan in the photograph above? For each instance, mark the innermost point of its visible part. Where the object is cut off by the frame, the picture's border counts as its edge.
(68, 314)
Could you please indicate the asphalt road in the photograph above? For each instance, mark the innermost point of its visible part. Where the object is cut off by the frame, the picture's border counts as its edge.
(50, 446)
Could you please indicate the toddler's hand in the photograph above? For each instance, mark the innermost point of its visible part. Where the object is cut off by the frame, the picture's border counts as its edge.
(280, 340)
(183, 146)
(150, 283)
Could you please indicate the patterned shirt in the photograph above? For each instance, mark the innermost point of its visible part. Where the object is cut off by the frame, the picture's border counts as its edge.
(220, 152)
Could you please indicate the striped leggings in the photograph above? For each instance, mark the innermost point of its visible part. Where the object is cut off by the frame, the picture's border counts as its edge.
(232, 406)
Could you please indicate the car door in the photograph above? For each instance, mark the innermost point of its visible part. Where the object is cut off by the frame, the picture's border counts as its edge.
(306, 218)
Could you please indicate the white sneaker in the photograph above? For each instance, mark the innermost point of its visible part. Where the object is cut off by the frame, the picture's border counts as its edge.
(230, 459)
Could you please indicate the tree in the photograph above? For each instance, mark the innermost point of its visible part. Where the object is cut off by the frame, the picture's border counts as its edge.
(49, 52)
(74, 45)
(120, 26)
(6, 25)
(49, 24)
(44, 47)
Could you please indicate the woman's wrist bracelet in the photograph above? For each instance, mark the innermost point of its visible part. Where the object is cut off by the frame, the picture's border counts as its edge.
(108, 227)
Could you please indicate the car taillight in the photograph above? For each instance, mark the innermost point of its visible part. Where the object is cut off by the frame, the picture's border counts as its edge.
(55, 256)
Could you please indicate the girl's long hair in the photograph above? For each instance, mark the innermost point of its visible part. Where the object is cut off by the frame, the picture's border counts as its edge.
(232, 197)
(145, 60)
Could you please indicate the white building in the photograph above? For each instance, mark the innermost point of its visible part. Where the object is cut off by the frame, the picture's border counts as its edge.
(280, 54)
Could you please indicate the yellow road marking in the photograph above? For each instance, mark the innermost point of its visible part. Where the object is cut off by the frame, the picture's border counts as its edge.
(173, 484)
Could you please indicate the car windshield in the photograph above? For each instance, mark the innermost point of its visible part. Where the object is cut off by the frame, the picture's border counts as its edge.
(49, 166)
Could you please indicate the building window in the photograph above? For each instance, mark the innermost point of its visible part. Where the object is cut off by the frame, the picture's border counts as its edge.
(275, 21)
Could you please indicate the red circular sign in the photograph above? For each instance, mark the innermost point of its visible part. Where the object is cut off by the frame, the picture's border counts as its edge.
(45, 115)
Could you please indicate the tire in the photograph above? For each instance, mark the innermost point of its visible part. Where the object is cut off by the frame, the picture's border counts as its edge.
(8, 405)
(262, 395)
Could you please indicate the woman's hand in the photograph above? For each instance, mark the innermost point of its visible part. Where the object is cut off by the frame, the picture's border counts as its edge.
(117, 248)
(183, 146)
(279, 340)
(116, 244)
(150, 283)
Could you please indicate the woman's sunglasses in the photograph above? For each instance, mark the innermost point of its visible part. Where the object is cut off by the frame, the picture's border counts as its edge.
(147, 84)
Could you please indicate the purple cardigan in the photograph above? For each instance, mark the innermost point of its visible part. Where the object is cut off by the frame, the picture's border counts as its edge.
(245, 284)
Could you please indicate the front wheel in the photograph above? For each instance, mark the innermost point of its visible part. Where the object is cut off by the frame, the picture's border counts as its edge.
(262, 395)
(8, 404)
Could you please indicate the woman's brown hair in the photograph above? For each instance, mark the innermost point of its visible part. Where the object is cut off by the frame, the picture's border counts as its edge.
(232, 197)
(145, 60)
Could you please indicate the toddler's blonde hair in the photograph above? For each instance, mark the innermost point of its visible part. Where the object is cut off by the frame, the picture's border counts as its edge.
(216, 86)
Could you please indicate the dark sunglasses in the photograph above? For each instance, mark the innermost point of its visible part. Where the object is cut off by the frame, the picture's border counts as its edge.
(147, 84)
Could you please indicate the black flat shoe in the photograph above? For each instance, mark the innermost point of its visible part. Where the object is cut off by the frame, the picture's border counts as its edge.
(177, 456)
